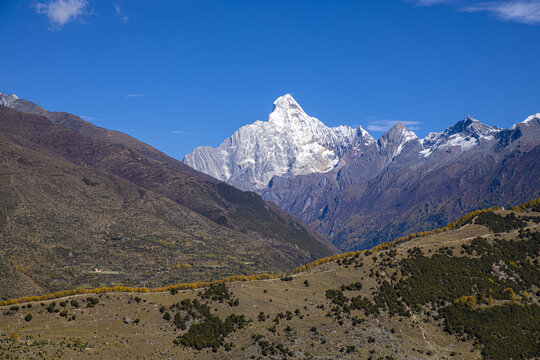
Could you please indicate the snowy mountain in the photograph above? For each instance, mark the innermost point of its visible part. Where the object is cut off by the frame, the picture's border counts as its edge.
(355, 190)
(289, 143)
(351, 186)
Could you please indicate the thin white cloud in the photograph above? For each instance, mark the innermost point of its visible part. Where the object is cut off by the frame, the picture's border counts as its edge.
(521, 11)
(60, 12)
(179, 132)
(431, 2)
(118, 10)
(376, 124)
(134, 95)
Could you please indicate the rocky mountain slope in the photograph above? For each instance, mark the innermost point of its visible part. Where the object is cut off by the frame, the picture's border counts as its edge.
(360, 192)
(467, 293)
(289, 143)
(87, 129)
(77, 211)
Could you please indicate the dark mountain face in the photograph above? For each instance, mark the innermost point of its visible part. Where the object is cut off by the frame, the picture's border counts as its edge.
(367, 196)
(358, 191)
(77, 211)
(403, 201)
(379, 193)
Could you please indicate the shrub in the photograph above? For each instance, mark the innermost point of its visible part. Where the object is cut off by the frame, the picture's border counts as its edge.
(91, 301)
(89, 182)
(495, 328)
(498, 223)
(352, 286)
(337, 297)
(211, 332)
(179, 321)
(28, 317)
(51, 307)
(219, 292)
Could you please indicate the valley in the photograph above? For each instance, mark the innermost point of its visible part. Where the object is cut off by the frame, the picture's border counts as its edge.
(270, 180)
(77, 212)
(359, 191)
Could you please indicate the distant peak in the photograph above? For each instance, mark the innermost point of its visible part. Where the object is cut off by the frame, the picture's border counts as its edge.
(398, 126)
(399, 129)
(8, 100)
(286, 102)
(12, 96)
(530, 119)
(469, 125)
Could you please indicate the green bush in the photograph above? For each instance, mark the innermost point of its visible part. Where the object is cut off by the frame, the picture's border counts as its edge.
(51, 307)
(217, 292)
(211, 332)
(498, 223)
(509, 331)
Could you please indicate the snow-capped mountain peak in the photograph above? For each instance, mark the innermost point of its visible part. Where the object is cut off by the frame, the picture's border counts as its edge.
(290, 142)
(287, 112)
(469, 126)
(401, 130)
(392, 142)
(464, 134)
(8, 100)
(532, 119)
(287, 102)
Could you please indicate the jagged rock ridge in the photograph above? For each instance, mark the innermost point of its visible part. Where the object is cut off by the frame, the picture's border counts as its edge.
(289, 143)
(356, 190)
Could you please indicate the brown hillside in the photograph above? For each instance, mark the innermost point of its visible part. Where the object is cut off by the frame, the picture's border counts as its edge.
(72, 205)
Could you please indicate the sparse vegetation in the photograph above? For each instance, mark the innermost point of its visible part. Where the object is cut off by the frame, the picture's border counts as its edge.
(472, 294)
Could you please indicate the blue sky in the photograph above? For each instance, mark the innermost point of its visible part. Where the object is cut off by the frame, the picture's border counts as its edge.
(178, 74)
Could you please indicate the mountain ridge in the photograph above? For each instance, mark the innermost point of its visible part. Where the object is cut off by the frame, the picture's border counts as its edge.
(72, 204)
(330, 199)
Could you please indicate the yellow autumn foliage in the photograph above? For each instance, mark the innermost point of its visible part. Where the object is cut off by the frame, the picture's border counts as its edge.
(526, 205)
(469, 301)
(101, 290)
(237, 278)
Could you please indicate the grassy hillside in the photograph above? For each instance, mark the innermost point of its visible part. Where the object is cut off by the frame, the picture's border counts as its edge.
(82, 213)
(469, 292)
